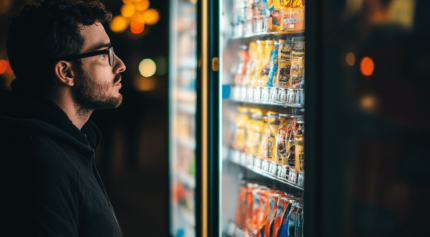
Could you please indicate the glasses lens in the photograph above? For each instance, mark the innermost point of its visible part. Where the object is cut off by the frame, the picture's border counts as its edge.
(111, 57)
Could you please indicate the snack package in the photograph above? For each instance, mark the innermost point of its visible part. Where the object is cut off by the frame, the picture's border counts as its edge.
(291, 148)
(241, 207)
(264, 212)
(256, 209)
(282, 138)
(273, 207)
(293, 19)
(299, 147)
(249, 206)
(256, 66)
(273, 66)
(273, 124)
(284, 207)
(243, 63)
(262, 153)
(268, 5)
(297, 62)
(263, 72)
(249, 67)
(240, 132)
(256, 134)
(284, 64)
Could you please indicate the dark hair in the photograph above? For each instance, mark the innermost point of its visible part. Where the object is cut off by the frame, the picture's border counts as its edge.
(41, 34)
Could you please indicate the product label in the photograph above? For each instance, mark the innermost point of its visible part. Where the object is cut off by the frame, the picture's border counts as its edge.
(271, 147)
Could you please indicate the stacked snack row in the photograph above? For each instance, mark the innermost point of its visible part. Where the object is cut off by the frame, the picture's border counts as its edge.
(272, 142)
(271, 70)
(260, 16)
(266, 212)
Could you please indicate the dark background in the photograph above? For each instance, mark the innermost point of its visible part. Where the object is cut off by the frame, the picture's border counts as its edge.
(132, 158)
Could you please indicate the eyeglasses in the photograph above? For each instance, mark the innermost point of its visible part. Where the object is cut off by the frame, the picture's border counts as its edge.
(108, 51)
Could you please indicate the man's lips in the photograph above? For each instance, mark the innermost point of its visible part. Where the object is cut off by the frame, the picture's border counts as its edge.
(118, 80)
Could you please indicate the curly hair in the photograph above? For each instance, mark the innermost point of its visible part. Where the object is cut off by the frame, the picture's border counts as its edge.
(41, 34)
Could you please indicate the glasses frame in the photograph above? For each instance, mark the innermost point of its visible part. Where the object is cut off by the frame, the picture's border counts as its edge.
(108, 51)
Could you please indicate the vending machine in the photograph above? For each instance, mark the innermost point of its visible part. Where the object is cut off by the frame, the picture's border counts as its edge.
(341, 81)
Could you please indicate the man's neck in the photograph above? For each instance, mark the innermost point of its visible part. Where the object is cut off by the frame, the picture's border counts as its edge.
(76, 114)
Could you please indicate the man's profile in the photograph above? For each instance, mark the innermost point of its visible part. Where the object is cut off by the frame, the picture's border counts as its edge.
(65, 68)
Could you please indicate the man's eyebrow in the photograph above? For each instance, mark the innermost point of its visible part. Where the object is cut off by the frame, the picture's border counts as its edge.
(100, 46)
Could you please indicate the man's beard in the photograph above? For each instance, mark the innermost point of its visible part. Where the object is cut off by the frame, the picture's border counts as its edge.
(89, 96)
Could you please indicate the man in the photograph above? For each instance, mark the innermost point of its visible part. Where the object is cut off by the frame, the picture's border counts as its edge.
(65, 68)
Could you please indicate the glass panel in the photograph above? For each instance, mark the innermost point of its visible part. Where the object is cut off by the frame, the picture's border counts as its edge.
(182, 117)
(262, 49)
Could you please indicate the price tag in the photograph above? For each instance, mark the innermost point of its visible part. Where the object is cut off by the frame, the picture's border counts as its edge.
(236, 93)
(301, 179)
(279, 171)
(235, 156)
(257, 93)
(250, 160)
(285, 172)
(265, 166)
(242, 158)
(243, 92)
(249, 93)
(293, 176)
(273, 169)
(273, 94)
(265, 94)
(283, 97)
(258, 27)
(248, 27)
(257, 163)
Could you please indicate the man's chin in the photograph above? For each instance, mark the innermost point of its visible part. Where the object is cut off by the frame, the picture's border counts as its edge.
(119, 101)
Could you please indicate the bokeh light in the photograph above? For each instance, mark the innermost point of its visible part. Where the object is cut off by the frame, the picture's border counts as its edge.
(127, 10)
(142, 5)
(137, 24)
(144, 84)
(118, 24)
(151, 16)
(350, 59)
(3, 66)
(368, 102)
(367, 66)
(147, 67)
(161, 63)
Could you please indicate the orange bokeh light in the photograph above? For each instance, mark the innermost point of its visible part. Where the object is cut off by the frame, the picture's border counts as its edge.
(137, 30)
(367, 66)
(142, 6)
(3, 66)
(350, 59)
(127, 10)
(151, 16)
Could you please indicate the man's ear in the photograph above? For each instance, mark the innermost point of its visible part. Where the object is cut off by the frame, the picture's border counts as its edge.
(64, 73)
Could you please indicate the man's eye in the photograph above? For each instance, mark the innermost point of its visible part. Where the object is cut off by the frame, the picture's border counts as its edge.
(102, 55)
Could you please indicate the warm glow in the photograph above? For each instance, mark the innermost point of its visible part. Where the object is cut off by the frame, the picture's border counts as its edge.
(367, 66)
(151, 16)
(147, 67)
(144, 84)
(137, 31)
(118, 24)
(350, 59)
(3, 66)
(137, 24)
(142, 6)
(368, 102)
(127, 10)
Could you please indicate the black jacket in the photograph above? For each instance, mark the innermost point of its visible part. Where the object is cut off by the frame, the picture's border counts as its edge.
(49, 185)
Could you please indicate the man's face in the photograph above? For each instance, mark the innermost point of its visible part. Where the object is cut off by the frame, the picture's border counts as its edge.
(97, 83)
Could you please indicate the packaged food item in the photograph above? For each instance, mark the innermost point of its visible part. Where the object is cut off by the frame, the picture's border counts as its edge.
(284, 207)
(257, 130)
(249, 206)
(273, 66)
(290, 226)
(256, 209)
(282, 138)
(284, 64)
(251, 62)
(265, 65)
(299, 147)
(241, 207)
(264, 139)
(299, 221)
(264, 212)
(297, 62)
(273, 207)
(242, 66)
(240, 132)
(291, 156)
(256, 66)
(273, 124)
(293, 19)
(277, 19)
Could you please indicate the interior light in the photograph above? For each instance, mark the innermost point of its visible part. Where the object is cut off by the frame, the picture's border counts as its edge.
(151, 16)
(118, 24)
(144, 84)
(350, 59)
(142, 5)
(367, 66)
(127, 10)
(147, 67)
(368, 102)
